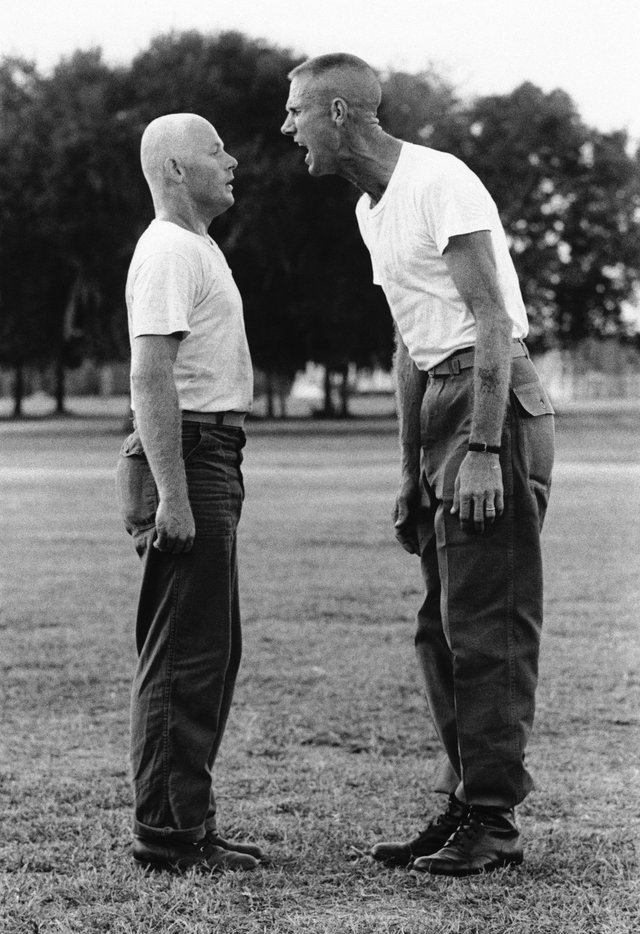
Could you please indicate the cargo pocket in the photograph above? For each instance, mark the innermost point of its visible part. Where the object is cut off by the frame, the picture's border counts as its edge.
(533, 398)
(136, 491)
(536, 439)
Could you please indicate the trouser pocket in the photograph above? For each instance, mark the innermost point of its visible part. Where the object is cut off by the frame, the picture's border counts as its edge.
(533, 417)
(136, 490)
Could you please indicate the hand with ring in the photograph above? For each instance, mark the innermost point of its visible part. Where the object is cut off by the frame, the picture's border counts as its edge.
(478, 491)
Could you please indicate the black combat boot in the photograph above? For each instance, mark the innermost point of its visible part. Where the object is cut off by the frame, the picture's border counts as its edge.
(487, 839)
(435, 835)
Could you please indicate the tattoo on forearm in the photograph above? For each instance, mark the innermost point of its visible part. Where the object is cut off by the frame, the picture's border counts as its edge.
(489, 380)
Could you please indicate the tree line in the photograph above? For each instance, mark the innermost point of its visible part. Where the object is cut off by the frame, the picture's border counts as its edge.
(73, 203)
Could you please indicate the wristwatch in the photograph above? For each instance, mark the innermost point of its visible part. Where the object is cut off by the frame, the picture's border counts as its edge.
(483, 448)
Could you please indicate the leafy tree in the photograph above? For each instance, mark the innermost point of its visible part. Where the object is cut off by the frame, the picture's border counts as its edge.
(23, 256)
(422, 109)
(569, 198)
(346, 319)
(73, 202)
(89, 209)
(602, 233)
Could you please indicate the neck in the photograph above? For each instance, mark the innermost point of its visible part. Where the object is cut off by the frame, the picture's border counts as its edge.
(185, 216)
(370, 163)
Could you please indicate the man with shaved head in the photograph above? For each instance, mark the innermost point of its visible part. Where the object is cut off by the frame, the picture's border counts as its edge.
(476, 438)
(180, 491)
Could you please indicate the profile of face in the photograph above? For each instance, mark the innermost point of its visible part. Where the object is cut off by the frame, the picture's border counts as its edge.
(309, 124)
(208, 171)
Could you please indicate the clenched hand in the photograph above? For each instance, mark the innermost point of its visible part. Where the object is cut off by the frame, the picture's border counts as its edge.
(175, 528)
(405, 514)
(478, 495)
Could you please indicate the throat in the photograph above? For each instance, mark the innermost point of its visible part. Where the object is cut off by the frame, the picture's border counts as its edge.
(374, 171)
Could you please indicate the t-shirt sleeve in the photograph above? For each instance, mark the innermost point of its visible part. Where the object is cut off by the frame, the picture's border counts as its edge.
(163, 295)
(457, 203)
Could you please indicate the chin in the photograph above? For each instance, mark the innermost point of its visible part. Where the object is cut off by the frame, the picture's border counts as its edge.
(220, 207)
(317, 170)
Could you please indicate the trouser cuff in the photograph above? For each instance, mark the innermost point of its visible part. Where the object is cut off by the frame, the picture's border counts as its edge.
(168, 834)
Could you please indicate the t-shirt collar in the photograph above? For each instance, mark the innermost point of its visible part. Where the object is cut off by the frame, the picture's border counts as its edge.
(375, 208)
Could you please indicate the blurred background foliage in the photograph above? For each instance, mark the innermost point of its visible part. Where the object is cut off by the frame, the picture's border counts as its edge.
(73, 203)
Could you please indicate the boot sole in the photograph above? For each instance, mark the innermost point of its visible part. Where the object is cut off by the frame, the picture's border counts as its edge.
(404, 862)
(149, 865)
(507, 862)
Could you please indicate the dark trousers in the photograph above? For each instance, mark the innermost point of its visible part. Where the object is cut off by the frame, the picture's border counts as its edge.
(188, 634)
(478, 634)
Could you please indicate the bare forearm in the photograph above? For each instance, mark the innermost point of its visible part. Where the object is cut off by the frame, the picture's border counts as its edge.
(159, 422)
(492, 372)
(410, 386)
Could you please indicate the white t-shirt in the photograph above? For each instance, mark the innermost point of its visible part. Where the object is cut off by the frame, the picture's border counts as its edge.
(431, 197)
(180, 282)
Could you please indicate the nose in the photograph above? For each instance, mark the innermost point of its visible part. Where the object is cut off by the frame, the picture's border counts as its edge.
(234, 162)
(287, 126)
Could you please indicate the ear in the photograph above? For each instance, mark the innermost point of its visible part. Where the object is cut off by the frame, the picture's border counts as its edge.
(173, 170)
(339, 110)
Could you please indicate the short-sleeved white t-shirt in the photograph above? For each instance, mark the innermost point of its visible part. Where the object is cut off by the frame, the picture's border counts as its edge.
(180, 283)
(432, 196)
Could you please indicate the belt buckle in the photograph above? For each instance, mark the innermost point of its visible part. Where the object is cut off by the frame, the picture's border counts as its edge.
(454, 366)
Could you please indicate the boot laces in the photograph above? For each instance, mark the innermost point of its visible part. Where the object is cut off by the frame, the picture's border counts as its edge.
(467, 829)
(448, 816)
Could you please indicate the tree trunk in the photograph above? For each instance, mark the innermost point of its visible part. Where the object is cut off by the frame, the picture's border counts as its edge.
(60, 385)
(269, 377)
(18, 390)
(328, 411)
(344, 392)
(282, 396)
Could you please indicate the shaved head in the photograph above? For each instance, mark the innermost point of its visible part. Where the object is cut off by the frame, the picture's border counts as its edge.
(188, 170)
(340, 75)
(173, 136)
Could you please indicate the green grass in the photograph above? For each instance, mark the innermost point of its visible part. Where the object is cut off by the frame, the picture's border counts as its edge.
(328, 746)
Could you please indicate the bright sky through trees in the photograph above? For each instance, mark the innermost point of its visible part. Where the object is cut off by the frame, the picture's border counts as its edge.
(589, 49)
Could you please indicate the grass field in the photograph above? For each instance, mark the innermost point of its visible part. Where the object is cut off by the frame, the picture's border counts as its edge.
(328, 746)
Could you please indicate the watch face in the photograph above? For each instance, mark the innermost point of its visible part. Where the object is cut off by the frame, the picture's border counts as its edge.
(483, 447)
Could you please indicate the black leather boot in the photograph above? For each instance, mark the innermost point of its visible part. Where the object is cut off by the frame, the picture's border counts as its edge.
(399, 853)
(487, 839)
(180, 857)
(249, 849)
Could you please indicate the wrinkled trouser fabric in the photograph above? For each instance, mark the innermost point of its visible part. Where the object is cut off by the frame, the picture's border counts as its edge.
(478, 633)
(188, 634)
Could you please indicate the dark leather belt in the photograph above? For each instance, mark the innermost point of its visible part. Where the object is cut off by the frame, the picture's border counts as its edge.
(228, 419)
(464, 359)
